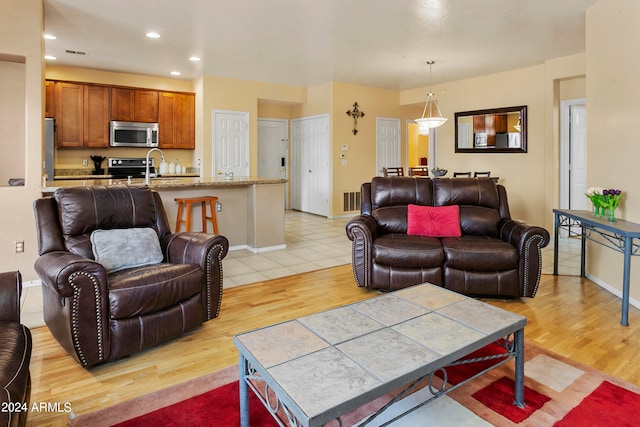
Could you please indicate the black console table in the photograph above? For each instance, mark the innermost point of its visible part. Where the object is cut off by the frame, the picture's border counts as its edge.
(617, 235)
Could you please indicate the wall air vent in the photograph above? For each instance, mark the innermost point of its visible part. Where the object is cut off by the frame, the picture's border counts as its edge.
(75, 52)
(351, 201)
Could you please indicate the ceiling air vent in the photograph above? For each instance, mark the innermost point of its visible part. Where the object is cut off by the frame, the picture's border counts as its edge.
(75, 52)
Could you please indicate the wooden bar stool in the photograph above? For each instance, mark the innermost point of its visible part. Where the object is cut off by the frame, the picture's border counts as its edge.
(204, 201)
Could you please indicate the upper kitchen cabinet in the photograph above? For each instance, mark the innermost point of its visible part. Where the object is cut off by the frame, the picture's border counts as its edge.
(134, 105)
(82, 115)
(177, 120)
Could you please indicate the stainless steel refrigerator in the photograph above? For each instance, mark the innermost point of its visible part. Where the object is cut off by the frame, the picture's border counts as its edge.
(49, 148)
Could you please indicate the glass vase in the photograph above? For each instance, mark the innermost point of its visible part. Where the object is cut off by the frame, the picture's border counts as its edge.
(597, 210)
(611, 214)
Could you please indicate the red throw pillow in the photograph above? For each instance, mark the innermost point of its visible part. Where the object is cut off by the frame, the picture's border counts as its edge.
(433, 221)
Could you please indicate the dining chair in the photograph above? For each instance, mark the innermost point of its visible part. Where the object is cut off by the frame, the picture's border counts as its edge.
(467, 174)
(477, 174)
(419, 171)
(393, 171)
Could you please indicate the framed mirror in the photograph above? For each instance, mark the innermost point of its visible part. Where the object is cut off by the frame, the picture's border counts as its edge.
(496, 130)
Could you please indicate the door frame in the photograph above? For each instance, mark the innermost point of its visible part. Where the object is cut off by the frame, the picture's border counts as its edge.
(214, 129)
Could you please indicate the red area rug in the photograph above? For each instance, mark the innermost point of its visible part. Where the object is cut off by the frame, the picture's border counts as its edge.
(558, 392)
(218, 407)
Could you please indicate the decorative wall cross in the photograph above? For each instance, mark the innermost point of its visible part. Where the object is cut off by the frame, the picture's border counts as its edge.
(356, 114)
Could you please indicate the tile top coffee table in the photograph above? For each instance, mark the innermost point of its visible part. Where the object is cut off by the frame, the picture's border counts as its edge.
(328, 364)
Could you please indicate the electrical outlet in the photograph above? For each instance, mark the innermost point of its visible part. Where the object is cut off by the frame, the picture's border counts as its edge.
(85, 162)
(19, 246)
(218, 207)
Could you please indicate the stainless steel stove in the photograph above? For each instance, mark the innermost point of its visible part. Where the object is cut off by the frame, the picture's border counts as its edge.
(123, 167)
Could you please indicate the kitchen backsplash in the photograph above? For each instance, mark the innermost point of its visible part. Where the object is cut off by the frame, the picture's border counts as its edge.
(87, 171)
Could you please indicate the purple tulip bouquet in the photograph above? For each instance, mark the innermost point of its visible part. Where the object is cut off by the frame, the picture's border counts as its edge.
(605, 201)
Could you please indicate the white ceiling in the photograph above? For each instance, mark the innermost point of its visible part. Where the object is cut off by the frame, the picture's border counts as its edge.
(377, 43)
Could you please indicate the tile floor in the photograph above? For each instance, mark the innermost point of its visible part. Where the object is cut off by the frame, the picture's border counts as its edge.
(313, 242)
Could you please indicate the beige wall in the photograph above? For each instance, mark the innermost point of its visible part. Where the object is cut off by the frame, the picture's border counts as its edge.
(613, 108)
(21, 35)
(242, 96)
(521, 173)
(361, 157)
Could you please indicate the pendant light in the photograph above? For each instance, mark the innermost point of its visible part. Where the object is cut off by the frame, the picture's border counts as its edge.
(431, 115)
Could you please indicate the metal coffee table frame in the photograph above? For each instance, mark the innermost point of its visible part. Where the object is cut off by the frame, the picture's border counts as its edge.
(276, 399)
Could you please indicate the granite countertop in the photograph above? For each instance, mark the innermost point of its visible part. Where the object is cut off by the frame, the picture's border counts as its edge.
(169, 182)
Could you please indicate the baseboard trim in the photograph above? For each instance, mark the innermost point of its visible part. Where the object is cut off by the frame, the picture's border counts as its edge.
(31, 283)
(615, 291)
(257, 250)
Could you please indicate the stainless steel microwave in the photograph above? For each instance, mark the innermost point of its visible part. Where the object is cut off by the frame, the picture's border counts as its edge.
(133, 134)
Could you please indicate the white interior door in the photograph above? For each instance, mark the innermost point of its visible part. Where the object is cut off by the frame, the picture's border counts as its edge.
(573, 158)
(310, 164)
(578, 157)
(231, 142)
(273, 150)
(387, 144)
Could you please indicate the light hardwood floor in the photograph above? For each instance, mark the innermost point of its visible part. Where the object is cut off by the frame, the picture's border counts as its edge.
(570, 316)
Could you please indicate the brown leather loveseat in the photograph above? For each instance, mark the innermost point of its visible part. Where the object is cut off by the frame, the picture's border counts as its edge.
(15, 354)
(494, 256)
(115, 280)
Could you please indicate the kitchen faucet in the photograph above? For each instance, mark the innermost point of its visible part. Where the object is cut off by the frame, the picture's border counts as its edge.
(147, 178)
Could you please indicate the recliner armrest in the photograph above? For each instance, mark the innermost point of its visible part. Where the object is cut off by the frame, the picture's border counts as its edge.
(194, 248)
(207, 251)
(57, 270)
(10, 290)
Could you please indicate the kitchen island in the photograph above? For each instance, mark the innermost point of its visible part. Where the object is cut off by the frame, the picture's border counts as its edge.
(251, 213)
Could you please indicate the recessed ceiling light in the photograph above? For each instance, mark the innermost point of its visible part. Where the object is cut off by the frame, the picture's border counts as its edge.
(49, 37)
(175, 73)
(194, 59)
(50, 57)
(153, 35)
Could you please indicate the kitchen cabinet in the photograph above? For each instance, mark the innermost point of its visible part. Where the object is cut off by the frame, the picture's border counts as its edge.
(490, 124)
(50, 99)
(82, 115)
(83, 111)
(134, 105)
(96, 116)
(176, 120)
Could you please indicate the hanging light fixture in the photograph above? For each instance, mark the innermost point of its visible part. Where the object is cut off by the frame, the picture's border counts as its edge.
(431, 115)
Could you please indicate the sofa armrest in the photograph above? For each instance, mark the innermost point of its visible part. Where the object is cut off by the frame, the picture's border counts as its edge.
(529, 240)
(10, 291)
(207, 251)
(362, 231)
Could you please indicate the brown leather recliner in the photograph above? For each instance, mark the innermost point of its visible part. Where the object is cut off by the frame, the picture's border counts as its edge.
(495, 256)
(99, 315)
(15, 354)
